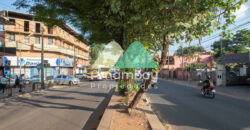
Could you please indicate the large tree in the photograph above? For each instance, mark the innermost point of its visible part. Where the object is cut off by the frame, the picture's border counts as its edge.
(239, 43)
(156, 23)
(190, 50)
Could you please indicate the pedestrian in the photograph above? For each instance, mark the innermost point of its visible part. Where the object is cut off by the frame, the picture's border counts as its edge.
(3, 83)
(17, 82)
(21, 82)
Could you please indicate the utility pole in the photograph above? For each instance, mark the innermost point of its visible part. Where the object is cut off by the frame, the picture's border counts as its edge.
(168, 59)
(74, 65)
(220, 46)
(200, 41)
(42, 62)
(182, 62)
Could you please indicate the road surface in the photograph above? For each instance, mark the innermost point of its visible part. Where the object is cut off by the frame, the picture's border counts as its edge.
(185, 109)
(68, 108)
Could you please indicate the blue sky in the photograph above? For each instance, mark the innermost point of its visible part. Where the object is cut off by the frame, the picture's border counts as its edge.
(243, 16)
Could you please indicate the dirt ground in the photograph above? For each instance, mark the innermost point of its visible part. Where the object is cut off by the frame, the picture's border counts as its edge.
(122, 120)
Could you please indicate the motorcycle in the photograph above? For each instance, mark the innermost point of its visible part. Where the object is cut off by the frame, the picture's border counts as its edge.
(210, 91)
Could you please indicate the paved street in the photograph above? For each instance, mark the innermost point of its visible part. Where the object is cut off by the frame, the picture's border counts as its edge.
(70, 108)
(184, 108)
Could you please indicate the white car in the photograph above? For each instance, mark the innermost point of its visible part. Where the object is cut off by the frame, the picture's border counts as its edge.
(81, 75)
(66, 79)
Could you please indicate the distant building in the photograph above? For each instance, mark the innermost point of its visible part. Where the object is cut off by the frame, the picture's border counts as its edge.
(237, 73)
(175, 61)
(61, 47)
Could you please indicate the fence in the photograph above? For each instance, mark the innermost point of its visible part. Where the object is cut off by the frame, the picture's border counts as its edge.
(193, 75)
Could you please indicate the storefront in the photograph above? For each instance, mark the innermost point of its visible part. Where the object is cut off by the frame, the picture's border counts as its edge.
(29, 66)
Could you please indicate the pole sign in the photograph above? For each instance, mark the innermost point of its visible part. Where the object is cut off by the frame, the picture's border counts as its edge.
(38, 67)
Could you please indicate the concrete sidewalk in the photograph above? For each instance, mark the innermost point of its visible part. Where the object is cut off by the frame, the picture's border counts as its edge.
(238, 92)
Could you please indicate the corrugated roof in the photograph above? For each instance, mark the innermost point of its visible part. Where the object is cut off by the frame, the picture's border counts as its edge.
(235, 58)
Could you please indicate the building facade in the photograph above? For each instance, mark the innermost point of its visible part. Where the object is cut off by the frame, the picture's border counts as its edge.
(62, 50)
(176, 61)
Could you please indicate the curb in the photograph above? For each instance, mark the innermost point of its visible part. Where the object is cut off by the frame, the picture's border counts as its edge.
(106, 121)
(95, 117)
(153, 120)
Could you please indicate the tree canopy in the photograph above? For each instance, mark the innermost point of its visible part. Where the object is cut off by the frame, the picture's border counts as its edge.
(128, 20)
(239, 43)
(190, 50)
(95, 51)
(155, 23)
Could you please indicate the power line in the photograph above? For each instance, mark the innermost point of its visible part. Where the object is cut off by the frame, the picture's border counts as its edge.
(235, 28)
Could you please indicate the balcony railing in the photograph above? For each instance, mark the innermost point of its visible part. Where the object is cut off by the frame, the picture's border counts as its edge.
(22, 46)
(54, 48)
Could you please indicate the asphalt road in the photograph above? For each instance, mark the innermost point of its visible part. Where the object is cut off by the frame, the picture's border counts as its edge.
(67, 108)
(184, 108)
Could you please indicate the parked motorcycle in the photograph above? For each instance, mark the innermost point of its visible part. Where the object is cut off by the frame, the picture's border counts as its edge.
(210, 91)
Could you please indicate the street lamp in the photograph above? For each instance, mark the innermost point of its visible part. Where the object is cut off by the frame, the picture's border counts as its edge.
(42, 62)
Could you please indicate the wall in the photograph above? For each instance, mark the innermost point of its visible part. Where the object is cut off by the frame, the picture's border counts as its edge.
(204, 58)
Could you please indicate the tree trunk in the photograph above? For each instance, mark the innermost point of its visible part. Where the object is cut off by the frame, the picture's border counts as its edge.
(148, 82)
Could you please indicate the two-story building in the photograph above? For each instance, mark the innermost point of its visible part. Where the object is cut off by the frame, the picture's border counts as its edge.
(21, 44)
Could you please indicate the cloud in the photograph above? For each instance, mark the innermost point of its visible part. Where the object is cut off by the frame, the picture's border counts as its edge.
(241, 12)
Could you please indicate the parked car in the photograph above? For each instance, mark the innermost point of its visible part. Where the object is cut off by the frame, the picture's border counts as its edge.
(37, 79)
(81, 76)
(34, 79)
(66, 79)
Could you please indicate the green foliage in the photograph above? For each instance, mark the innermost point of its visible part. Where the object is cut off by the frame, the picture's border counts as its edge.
(95, 51)
(122, 87)
(196, 66)
(240, 43)
(191, 50)
(147, 21)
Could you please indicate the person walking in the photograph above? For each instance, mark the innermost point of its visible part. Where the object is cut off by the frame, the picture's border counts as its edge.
(3, 83)
(21, 82)
(17, 81)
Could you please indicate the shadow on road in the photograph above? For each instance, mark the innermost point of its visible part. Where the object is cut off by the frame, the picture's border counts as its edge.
(185, 107)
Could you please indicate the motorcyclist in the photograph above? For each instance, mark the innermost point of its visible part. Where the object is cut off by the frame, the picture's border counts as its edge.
(206, 83)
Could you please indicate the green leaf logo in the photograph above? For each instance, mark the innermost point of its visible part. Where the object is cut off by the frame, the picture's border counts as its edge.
(136, 56)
